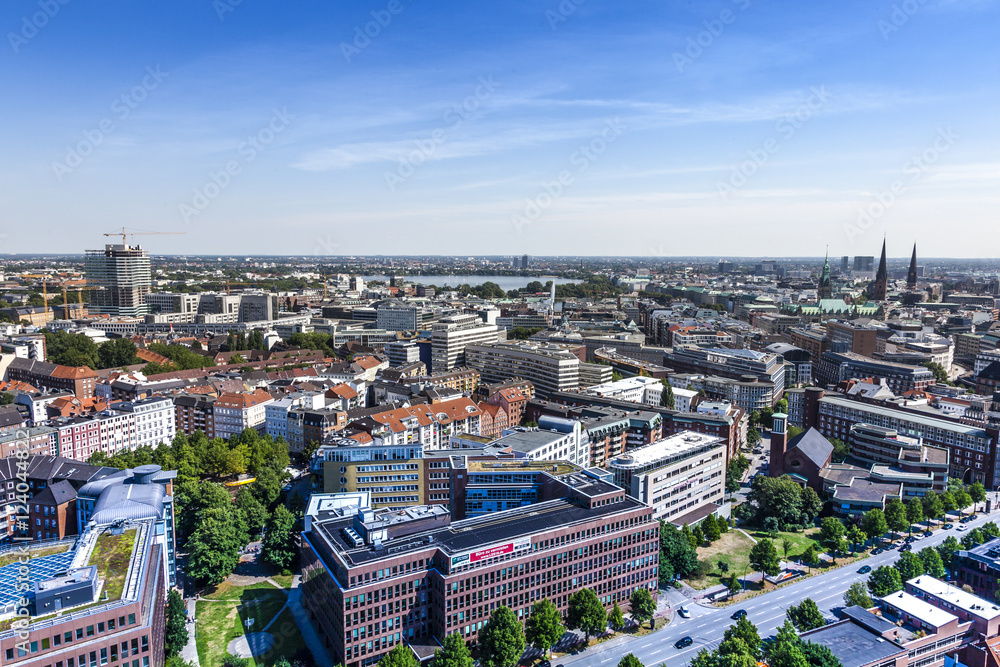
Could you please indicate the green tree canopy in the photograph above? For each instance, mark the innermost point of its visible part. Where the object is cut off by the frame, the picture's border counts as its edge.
(279, 546)
(176, 634)
(884, 581)
(544, 626)
(399, 656)
(642, 606)
(778, 497)
(585, 612)
(453, 652)
(933, 564)
(857, 596)
(874, 523)
(501, 641)
(629, 660)
(764, 557)
(806, 615)
(832, 530)
(214, 547)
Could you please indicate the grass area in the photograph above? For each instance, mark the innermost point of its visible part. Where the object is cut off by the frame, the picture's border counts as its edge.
(222, 618)
(733, 549)
(284, 579)
(111, 555)
(37, 552)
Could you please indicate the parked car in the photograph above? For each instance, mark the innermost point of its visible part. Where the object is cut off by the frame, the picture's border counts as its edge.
(684, 612)
(683, 642)
(738, 614)
(906, 547)
(877, 550)
(544, 663)
(865, 569)
(910, 539)
(948, 526)
(927, 533)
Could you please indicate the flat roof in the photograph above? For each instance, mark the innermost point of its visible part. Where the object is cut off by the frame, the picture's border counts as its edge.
(967, 602)
(930, 422)
(661, 450)
(524, 465)
(529, 441)
(474, 533)
(853, 645)
(919, 609)
(865, 490)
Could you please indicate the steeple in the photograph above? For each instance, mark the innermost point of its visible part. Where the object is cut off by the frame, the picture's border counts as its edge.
(880, 286)
(911, 275)
(825, 290)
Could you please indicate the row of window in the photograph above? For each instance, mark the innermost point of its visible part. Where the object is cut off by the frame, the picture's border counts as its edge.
(82, 633)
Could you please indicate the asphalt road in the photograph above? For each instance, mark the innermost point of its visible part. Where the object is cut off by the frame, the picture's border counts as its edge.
(706, 625)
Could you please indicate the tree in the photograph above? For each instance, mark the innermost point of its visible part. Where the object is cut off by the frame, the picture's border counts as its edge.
(642, 606)
(940, 374)
(785, 650)
(895, 515)
(733, 584)
(585, 612)
(453, 653)
(840, 449)
(676, 550)
(764, 558)
(253, 515)
(977, 492)
(117, 353)
(6, 398)
(745, 631)
(710, 528)
(786, 546)
(214, 547)
(914, 511)
(948, 549)
(811, 504)
(176, 634)
(806, 615)
(832, 530)
(874, 524)
(819, 655)
(667, 395)
(629, 660)
(778, 497)
(947, 499)
(501, 641)
(884, 581)
(697, 536)
(856, 537)
(962, 499)
(544, 626)
(399, 656)
(933, 508)
(615, 618)
(857, 596)
(278, 547)
(933, 564)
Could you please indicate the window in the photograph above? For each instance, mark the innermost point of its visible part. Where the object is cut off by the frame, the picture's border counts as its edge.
(90, 631)
(131, 620)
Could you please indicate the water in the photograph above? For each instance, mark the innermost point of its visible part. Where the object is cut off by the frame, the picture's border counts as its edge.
(506, 283)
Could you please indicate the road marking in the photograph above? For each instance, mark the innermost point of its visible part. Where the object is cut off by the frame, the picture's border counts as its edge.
(656, 651)
(606, 659)
(646, 645)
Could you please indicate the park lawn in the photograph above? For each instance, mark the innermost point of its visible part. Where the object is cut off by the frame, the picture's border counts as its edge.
(288, 640)
(732, 548)
(112, 555)
(800, 541)
(228, 591)
(284, 579)
(15, 555)
(221, 620)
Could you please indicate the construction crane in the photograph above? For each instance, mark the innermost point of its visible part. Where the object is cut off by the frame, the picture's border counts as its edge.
(125, 234)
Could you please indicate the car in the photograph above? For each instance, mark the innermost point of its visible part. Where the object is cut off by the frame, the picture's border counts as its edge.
(877, 550)
(683, 642)
(963, 527)
(684, 612)
(906, 547)
(865, 569)
(948, 526)
(544, 663)
(927, 533)
(738, 614)
(910, 539)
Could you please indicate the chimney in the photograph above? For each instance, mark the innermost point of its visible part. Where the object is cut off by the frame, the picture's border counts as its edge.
(779, 436)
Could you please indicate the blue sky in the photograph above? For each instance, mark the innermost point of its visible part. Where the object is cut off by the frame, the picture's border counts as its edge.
(625, 128)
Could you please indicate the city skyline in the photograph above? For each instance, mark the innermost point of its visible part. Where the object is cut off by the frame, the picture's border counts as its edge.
(572, 127)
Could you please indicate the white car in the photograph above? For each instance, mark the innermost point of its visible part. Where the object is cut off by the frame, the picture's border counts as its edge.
(684, 612)
(962, 527)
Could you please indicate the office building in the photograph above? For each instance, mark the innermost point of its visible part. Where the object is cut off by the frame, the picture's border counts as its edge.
(451, 335)
(740, 365)
(549, 367)
(118, 279)
(449, 576)
(682, 476)
(836, 367)
(556, 438)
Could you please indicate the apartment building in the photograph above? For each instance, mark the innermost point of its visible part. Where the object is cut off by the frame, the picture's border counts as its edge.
(450, 337)
(194, 412)
(154, 418)
(233, 413)
(744, 366)
(836, 367)
(682, 477)
(644, 390)
(550, 368)
(80, 381)
(450, 575)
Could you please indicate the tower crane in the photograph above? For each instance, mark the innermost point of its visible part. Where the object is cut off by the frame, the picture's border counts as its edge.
(125, 234)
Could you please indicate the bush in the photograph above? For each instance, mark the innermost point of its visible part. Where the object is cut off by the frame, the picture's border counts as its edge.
(677, 585)
(771, 524)
(704, 568)
(793, 528)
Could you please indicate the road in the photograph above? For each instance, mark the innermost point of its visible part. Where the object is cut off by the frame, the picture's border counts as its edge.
(767, 612)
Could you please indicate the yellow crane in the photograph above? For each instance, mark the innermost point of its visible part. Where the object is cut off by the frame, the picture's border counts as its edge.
(124, 234)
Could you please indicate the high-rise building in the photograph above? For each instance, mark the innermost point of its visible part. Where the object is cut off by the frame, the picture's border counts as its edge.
(450, 336)
(119, 280)
(864, 263)
(524, 262)
(845, 264)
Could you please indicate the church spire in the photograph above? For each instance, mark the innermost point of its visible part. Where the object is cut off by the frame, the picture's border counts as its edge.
(880, 286)
(825, 290)
(911, 275)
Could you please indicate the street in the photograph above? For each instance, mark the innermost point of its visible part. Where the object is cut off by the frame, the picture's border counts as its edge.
(767, 612)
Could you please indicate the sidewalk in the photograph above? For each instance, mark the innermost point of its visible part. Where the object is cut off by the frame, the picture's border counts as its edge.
(190, 650)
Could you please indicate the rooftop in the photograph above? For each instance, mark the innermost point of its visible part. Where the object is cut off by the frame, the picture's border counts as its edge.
(918, 609)
(853, 645)
(666, 449)
(959, 599)
(523, 465)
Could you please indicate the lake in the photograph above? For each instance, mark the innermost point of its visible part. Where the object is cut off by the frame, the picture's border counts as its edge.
(506, 283)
